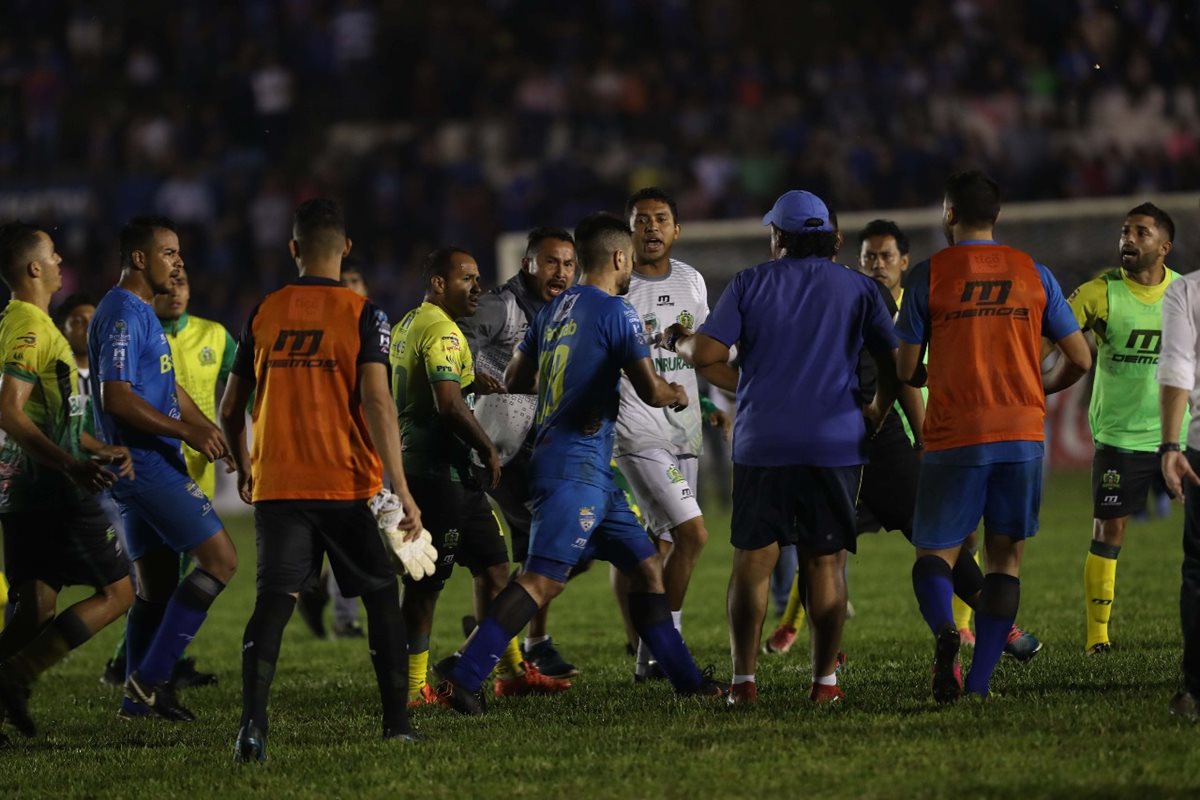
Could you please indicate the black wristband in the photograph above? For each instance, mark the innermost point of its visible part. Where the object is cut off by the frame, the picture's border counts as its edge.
(1169, 447)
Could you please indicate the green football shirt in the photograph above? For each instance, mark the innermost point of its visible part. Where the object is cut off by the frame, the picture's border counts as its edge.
(427, 347)
(36, 352)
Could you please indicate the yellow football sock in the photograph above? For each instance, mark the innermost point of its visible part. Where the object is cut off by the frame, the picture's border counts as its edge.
(510, 663)
(418, 666)
(3, 598)
(962, 611)
(1099, 585)
(793, 615)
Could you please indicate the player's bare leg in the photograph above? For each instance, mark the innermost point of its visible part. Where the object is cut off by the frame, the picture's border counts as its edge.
(749, 587)
(688, 541)
(620, 589)
(825, 600)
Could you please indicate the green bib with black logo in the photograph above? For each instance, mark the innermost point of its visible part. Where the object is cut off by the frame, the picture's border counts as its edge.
(1124, 409)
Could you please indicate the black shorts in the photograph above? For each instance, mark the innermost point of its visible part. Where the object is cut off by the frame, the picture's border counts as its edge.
(1120, 481)
(810, 507)
(294, 535)
(888, 496)
(74, 545)
(463, 527)
(512, 496)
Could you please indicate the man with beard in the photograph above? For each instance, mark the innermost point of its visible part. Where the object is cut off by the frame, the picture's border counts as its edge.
(574, 354)
(1122, 309)
(493, 333)
(432, 370)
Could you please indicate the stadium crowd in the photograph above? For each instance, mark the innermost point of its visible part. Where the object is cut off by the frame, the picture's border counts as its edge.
(455, 121)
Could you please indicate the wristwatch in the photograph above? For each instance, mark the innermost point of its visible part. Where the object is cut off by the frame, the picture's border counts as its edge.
(1168, 447)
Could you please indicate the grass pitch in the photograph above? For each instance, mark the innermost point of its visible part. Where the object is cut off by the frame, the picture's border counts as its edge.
(1062, 725)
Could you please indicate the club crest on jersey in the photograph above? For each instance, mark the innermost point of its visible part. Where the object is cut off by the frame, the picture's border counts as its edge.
(675, 475)
(1110, 480)
(207, 356)
(686, 319)
(587, 518)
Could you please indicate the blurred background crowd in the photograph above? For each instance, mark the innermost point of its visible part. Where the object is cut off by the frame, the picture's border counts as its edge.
(440, 122)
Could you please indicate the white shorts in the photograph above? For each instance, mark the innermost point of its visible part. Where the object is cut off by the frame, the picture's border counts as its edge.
(662, 484)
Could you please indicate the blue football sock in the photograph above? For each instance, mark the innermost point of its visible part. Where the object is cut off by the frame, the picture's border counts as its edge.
(480, 656)
(933, 584)
(651, 616)
(993, 620)
(509, 612)
(184, 615)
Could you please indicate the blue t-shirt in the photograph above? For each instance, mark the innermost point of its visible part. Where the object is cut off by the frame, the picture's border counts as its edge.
(800, 324)
(582, 341)
(126, 343)
(1058, 322)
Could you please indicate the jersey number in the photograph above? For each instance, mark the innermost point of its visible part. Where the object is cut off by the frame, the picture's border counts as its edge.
(553, 368)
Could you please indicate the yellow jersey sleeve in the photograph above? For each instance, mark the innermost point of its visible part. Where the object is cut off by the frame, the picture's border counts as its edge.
(445, 354)
(1089, 303)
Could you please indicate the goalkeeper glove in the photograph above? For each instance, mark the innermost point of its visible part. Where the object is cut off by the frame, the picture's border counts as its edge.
(417, 558)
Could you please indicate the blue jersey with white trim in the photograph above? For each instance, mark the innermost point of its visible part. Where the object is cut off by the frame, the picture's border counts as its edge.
(582, 340)
(126, 343)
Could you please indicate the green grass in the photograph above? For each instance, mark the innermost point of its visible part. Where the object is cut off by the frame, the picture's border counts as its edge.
(1061, 725)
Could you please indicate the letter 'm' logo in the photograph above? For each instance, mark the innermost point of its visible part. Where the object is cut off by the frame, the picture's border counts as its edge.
(986, 293)
(1145, 341)
(303, 343)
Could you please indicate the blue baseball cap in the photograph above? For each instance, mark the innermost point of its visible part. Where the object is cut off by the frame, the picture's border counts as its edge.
(799, 211)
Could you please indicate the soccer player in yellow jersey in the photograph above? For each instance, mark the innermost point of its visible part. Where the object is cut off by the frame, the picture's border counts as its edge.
(432, 370)
(1122, 309)
(55, 533)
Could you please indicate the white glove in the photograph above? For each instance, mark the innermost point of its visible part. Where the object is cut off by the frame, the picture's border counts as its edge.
(417, 558)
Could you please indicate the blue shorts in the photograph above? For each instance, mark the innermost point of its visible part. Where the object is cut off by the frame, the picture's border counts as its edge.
(574, 521)
(177, 516)
(952, 498)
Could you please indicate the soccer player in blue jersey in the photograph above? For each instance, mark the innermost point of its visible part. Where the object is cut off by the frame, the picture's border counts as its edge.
(575, 351)
(137, 404)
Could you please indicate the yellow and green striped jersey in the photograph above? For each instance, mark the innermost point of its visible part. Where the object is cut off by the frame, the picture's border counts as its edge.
(427, 347)
(202, 351)
(36, 352)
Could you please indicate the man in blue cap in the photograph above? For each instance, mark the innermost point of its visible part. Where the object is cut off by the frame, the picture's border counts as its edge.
(799, 322)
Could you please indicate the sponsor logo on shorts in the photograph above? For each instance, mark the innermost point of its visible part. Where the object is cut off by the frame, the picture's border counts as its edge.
(1110, 480)
(1110, 500)
(580, 543)
(587, 521)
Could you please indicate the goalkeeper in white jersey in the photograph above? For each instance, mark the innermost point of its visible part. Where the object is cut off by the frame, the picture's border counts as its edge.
(657, 449)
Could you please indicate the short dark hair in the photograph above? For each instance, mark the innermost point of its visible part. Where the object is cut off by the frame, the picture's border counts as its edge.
(437, 264)
(814, 244)
(974, 197)
(597, 236)
(69, 304)
(138, 233)
(539, 235)
(320, 223)
(1161, 218)
(885, 227)
(652, 193)
(17, 238)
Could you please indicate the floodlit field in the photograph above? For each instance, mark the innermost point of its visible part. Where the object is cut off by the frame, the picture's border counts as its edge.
(1062, 725)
